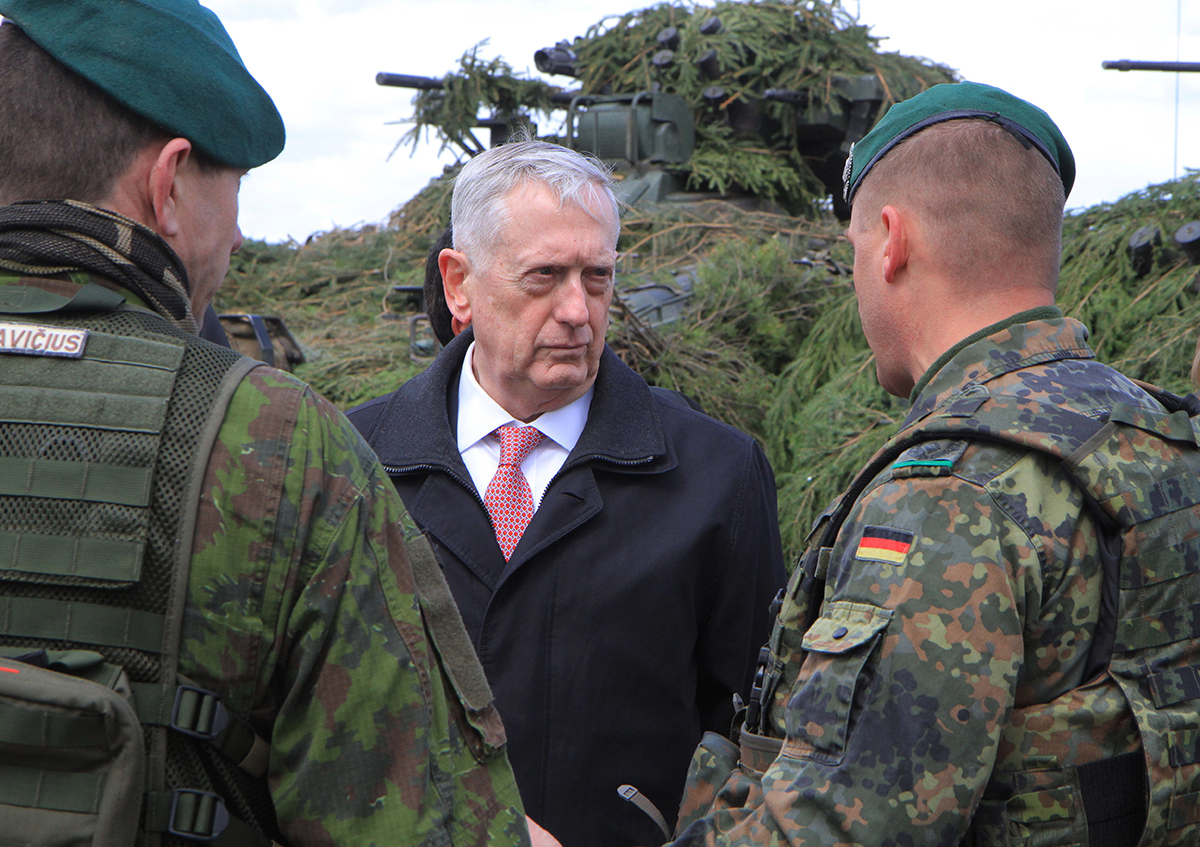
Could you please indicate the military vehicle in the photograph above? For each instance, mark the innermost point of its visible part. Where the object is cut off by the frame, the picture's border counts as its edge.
(770, 340)
(754, 102)
(757, 101)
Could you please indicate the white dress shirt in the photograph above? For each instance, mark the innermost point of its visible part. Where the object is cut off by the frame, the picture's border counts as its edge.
(478, 417)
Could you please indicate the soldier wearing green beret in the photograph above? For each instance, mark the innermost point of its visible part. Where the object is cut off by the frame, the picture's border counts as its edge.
(985, 642)
(213, 626)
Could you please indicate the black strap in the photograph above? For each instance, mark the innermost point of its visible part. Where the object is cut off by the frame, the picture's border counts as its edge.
(263, 337)
(1115, 799)
(201, 714)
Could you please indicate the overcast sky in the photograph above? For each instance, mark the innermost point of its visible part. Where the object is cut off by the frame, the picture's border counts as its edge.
(318, 60)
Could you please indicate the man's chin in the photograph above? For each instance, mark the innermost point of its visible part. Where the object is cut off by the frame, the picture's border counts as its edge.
(565, 376)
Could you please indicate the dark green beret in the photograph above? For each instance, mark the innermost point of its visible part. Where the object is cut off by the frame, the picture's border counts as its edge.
(955, 101)
(170, 61)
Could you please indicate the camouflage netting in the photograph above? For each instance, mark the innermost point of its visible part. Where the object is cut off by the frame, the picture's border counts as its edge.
(794, 46)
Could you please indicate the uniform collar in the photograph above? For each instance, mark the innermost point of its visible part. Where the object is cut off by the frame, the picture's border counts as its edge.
(1027, 338)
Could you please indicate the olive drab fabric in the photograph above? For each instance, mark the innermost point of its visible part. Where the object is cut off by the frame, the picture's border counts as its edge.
(993, 627)
(72, 758)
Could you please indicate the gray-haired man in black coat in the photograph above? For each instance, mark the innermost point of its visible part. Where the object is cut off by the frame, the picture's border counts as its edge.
(613, 552)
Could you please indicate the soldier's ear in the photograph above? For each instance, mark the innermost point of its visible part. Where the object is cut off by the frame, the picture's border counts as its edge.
(456, 268)
(895, 248)
(164, 188)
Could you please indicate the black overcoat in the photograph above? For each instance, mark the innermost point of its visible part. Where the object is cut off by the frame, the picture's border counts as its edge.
(634, 605)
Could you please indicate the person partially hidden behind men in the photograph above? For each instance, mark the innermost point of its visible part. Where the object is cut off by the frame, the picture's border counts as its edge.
(613, 552)
(993, 637)
(172, 507)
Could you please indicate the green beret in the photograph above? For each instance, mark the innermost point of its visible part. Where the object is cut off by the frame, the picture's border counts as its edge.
(954, 101)
(170, 61)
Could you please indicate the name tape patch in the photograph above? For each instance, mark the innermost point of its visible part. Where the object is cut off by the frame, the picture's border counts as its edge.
(35, 340)
(884, 544)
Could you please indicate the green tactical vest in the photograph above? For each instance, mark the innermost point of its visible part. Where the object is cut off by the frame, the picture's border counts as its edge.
(1139, 472)
(107, 418)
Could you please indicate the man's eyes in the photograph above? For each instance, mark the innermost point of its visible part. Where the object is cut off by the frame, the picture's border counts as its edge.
(591, 272)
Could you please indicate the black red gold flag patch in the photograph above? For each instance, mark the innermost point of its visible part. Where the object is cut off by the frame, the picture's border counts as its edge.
(884, 544)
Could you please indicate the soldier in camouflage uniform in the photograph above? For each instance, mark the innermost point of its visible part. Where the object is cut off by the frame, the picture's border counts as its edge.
(937, 672)
(302, 612)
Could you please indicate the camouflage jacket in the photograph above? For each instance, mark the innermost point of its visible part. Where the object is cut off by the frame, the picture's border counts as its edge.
(303, 615)
(961, 596)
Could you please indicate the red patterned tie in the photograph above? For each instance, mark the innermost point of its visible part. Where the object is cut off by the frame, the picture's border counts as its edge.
(509, 499)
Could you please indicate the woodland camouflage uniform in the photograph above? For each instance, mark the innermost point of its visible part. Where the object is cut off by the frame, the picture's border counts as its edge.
(322, 631)
(952, 646)
(302, 614)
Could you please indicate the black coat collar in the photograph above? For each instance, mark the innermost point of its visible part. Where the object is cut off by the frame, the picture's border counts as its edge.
(416, 429)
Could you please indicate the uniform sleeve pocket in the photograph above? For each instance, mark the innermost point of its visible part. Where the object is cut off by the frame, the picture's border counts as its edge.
(834, 682)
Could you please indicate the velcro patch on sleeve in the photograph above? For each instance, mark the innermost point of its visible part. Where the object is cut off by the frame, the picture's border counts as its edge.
(35, 340)
(884, 544)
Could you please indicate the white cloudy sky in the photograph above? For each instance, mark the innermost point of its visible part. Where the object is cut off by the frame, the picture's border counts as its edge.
(318, 59)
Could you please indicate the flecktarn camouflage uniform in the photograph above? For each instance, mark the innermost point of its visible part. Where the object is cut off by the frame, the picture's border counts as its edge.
(303, 614)
(948, 680)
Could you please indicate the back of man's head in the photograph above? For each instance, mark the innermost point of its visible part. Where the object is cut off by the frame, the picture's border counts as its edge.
(436, 308)
(981, 197)
(60, 136)
(85, 85)
(985, 172)
(478, 211)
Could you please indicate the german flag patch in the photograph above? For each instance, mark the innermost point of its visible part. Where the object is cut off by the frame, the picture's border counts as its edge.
(884, 544)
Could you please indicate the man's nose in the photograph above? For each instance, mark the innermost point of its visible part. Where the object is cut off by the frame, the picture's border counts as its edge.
(572, 302)
(237, 240)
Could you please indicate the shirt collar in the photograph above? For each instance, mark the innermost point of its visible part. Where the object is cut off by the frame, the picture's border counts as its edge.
(479, 414)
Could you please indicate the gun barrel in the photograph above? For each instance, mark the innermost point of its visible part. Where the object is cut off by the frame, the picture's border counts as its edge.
(1129, 65)
(421, 83)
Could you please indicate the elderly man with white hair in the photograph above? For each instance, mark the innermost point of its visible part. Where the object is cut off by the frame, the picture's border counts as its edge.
(613, 551)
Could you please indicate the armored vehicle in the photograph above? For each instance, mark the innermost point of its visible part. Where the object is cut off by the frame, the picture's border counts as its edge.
(758, 101)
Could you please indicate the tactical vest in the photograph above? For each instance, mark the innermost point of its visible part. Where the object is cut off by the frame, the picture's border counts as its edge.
(107, 418)
(1139, 473)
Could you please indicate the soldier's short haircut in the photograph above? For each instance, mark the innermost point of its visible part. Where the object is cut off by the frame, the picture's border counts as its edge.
(478, 212)
(979, 191)
(61, 137)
